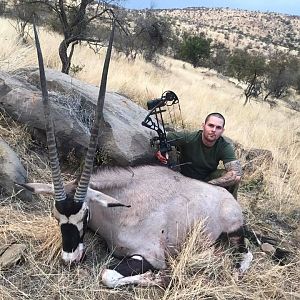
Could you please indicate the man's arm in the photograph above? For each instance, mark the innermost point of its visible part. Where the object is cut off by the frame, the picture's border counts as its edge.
(232, 176)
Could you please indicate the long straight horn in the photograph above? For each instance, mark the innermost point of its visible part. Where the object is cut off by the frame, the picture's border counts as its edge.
(60, 194)
(90, 155)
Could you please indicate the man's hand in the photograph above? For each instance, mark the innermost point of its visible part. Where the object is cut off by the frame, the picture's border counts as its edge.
(163, 159)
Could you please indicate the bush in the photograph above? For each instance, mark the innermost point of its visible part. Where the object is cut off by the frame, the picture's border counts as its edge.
(195, 50)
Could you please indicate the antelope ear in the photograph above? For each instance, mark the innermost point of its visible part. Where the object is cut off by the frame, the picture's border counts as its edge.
(103, 199)
(38, 188)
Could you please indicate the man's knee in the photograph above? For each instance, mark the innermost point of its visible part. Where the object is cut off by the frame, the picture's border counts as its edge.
(233, 189)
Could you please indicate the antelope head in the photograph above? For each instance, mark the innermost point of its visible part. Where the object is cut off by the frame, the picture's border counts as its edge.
(71, 209)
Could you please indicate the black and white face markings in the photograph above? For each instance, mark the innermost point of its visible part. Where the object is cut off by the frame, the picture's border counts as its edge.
(73, 219)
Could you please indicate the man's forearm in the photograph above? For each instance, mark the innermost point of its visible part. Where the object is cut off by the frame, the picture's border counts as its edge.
(233, 175)
(227, 179)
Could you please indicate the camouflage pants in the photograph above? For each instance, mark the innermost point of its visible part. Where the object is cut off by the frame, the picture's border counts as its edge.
(233, 189)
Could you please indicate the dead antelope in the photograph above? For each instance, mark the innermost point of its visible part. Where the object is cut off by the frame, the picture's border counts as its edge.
(161, 207)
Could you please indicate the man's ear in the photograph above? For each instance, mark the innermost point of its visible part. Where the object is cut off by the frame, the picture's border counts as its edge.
(38, 188)
(102, 199)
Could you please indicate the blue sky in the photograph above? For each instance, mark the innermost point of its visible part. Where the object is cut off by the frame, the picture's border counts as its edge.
(291, 7)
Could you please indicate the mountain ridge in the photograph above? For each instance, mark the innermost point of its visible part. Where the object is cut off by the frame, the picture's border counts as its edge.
(263, 32)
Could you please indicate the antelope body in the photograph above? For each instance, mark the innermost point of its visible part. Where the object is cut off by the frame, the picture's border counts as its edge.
(161, 208)
(157, 207)
(164, 205)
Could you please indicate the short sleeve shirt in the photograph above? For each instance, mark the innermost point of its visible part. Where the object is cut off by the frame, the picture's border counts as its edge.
(203, 159)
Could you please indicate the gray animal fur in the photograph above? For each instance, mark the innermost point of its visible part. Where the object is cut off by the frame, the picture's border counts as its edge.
(164, 207)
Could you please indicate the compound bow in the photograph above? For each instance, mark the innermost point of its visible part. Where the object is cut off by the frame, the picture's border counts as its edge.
(156, 107)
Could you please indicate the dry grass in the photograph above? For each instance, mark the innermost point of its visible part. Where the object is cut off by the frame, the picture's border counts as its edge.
(270, 195)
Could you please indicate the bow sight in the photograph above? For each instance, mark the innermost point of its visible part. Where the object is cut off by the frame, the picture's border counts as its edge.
(156, 108)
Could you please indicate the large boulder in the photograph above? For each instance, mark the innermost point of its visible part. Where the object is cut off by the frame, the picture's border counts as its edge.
(11, 171)
(122, 138)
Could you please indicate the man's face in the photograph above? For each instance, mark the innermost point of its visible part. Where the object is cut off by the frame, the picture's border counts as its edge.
(212, 129)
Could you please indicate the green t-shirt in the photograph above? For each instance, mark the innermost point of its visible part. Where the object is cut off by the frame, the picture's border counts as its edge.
(204, 160)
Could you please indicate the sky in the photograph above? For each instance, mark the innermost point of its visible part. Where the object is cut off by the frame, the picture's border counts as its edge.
(291, 7)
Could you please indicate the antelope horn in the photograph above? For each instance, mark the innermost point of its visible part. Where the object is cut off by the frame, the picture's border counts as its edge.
(59, 191)
(81, 190)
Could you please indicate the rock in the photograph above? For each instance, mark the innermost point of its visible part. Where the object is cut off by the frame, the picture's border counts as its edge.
(268, 248)
(11, 171)
(3, 248)
(123, 137)
(255, 158)
(12, 255)
(259, 156)
(297, 234)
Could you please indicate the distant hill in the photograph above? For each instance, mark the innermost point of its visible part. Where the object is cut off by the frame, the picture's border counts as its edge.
(235, 28)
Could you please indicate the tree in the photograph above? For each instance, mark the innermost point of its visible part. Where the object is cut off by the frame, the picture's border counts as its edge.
(148, 36)
(77, 22)
(297, 82)
(2, 7)
(219, 57)
(248, 68)
(282, 73)
(254, 76)
(151, 35)
(22, 12)
(195, 50)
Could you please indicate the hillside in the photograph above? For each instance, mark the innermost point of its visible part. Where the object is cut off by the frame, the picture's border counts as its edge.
(257, 31)
(269, 193)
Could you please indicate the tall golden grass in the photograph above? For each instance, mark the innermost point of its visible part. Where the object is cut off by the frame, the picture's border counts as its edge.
(198, 272)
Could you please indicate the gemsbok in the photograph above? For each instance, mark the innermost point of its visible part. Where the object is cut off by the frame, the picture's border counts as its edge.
(143, 212)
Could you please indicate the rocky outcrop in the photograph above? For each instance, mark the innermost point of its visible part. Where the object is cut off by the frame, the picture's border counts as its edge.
(122, 137)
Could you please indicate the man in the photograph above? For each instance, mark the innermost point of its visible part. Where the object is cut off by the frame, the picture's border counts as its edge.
(201, 151)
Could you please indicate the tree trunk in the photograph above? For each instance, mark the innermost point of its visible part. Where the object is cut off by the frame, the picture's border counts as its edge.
(63, 54)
